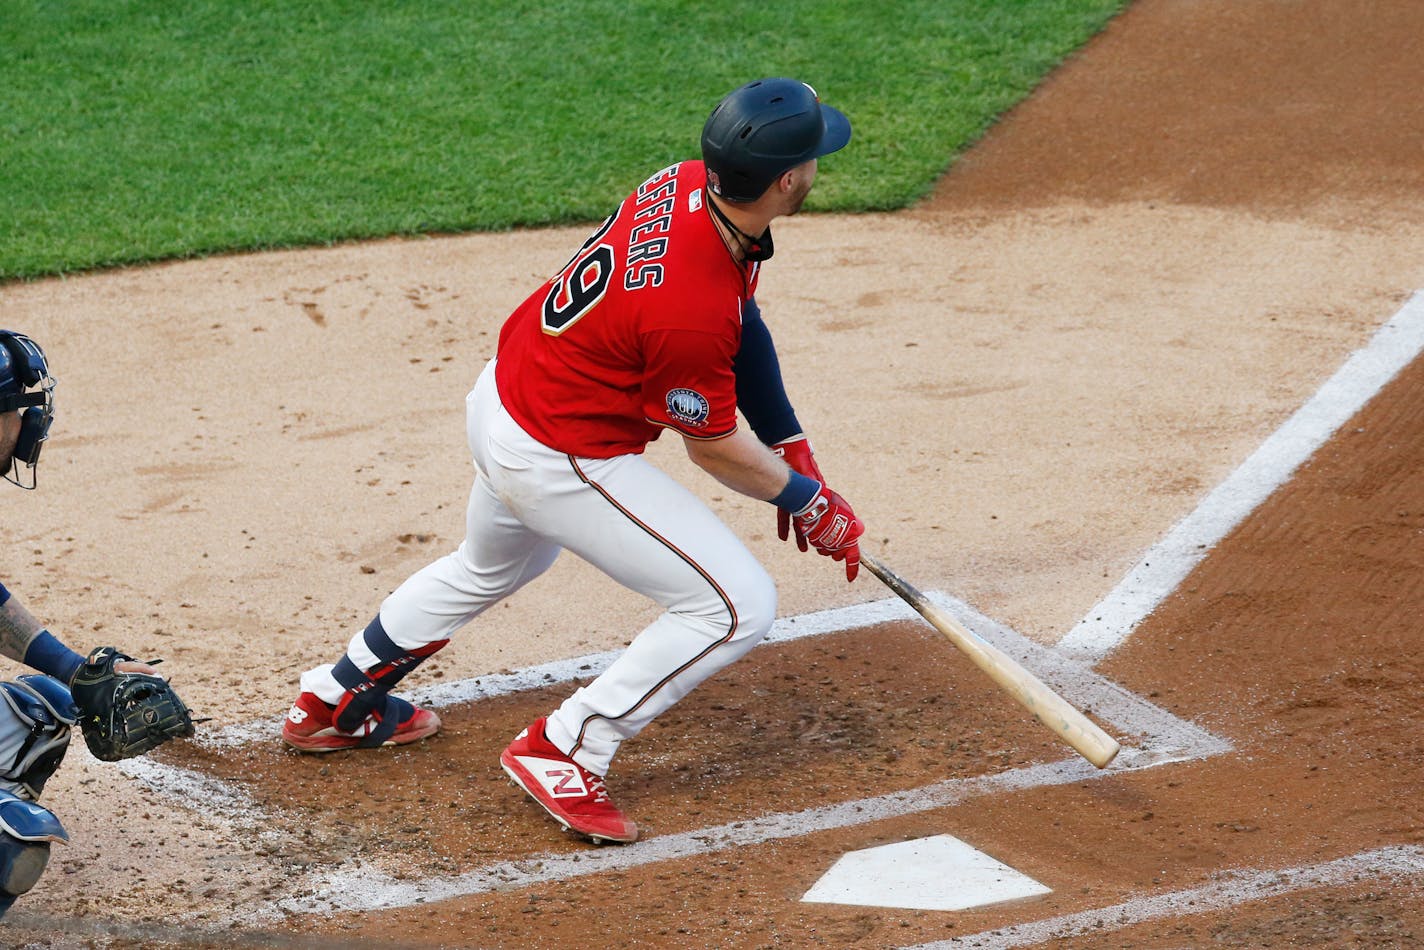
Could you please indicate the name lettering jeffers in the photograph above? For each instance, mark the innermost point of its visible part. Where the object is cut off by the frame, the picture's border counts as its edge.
(657, 198)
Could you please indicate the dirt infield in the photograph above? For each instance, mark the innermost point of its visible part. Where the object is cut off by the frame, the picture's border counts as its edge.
(1023, 384)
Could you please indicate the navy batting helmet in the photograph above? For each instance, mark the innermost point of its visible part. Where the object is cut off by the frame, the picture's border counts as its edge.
(764, 128)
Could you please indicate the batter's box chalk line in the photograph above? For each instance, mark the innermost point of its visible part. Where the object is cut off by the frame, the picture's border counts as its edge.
(1156, 735)
(1168, 562)
(1230, 889)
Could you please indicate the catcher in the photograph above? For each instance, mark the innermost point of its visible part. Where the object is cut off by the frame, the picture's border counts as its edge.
(122, 706)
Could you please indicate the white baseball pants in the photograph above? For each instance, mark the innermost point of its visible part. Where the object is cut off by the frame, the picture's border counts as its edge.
(624, 516)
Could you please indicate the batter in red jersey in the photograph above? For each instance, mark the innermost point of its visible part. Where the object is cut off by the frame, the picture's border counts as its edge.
(651, 325)
(638, 332)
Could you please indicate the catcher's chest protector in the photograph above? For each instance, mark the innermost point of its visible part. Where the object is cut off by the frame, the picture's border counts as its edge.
(36, 715)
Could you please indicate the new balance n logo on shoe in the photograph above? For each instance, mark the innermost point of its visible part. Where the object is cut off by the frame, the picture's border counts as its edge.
(559, 779)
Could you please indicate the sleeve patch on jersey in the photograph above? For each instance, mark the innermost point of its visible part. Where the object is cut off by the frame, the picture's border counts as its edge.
(688, 406)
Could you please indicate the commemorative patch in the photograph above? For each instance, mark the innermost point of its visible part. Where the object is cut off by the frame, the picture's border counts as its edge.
(688, 406)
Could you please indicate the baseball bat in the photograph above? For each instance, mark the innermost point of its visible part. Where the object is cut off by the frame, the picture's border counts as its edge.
(1051, 709)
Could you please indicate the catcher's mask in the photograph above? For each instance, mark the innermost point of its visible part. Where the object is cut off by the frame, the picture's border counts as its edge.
(23, 368)
(763, 129)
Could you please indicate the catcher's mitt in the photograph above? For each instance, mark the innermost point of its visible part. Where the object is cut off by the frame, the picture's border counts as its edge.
(125, 714)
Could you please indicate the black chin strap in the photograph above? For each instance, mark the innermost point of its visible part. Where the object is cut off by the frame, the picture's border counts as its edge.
(753, 248)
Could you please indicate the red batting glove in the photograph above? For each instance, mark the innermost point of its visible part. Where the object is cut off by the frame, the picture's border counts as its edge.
(832, 529)
(796, 452)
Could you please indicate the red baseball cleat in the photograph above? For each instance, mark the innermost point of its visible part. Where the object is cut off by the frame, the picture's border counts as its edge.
(573, 795)
(308, 726)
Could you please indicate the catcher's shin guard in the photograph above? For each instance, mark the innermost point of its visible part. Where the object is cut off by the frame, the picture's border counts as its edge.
(26, 832)
(366, 690)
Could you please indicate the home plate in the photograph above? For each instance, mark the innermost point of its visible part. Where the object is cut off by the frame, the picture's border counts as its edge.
(937, 873)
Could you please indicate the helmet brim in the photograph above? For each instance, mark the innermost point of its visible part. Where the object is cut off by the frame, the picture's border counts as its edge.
(837, 131)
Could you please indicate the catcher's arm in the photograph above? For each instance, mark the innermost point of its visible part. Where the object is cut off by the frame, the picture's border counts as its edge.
(125, 707)
(24, 638)
(18, 627)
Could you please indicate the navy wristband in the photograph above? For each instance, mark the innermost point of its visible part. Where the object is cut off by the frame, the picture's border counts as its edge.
(799, 492)
(52, 658)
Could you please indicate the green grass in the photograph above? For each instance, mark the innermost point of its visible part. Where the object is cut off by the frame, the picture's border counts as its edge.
(137, 130)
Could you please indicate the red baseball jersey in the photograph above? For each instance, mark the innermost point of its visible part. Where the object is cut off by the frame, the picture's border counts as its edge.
(636, 333)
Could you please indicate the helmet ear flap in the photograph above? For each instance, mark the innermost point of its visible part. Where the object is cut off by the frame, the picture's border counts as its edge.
(34, 430)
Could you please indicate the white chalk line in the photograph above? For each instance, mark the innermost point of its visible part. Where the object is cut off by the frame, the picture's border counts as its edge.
(1079, 685)
(213, 797)
(1162, 738)
(1168, 562)
(362, 888)
(1232, 889)
(556, 672)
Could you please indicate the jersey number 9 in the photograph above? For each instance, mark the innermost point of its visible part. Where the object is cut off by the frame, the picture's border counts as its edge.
(581, 284)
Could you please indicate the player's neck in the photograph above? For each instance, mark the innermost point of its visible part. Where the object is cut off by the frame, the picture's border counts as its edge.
(742, 227)
(752, 218)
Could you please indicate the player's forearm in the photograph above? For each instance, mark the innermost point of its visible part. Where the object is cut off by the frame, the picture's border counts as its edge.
(23, 638)
(18, 629)
(741, 463)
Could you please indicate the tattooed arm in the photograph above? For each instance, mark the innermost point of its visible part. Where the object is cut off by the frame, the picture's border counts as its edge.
(18, 628)
(25, 639)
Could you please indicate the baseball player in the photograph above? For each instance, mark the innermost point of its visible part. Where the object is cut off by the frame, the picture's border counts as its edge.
(651, 325)
(37, 711)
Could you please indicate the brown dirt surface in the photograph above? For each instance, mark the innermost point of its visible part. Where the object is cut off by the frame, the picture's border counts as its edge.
(1022, 384)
